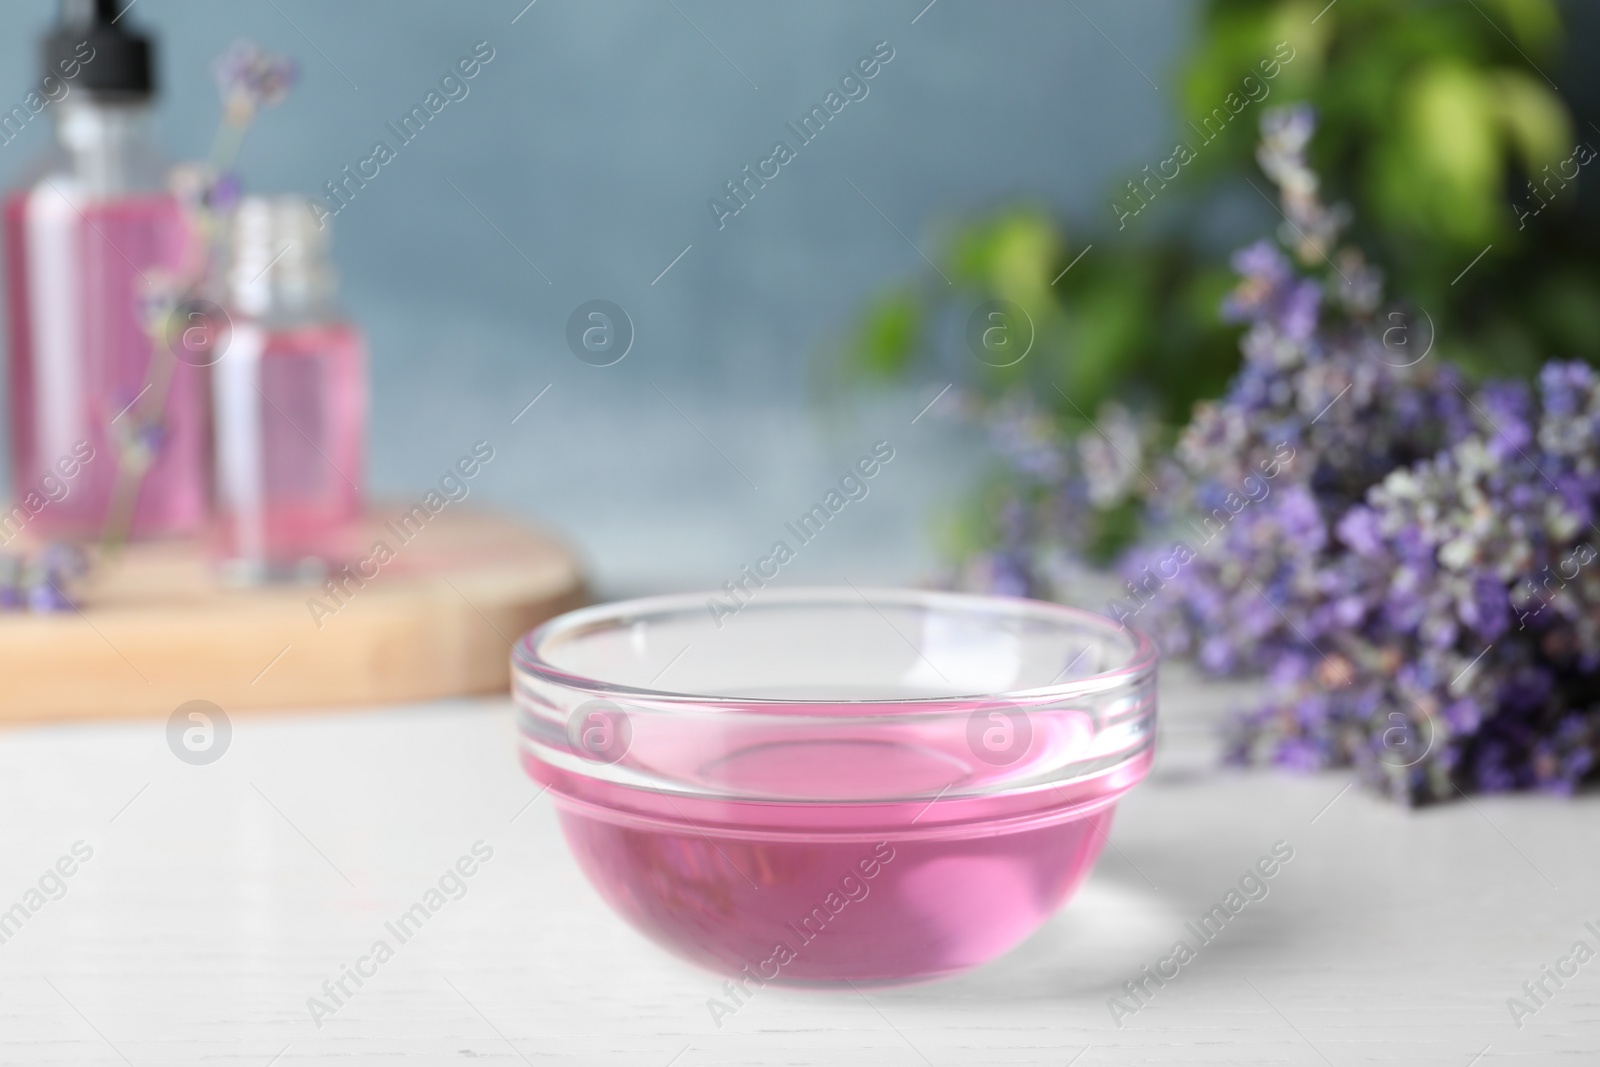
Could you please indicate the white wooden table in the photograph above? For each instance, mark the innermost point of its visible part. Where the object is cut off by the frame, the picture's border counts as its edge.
(219, 898)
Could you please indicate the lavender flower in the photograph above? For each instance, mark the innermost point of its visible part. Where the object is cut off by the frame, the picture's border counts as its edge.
(1412, 562)
(11, 588)
(1413, 571)
(1311, 227)
(251, 78)
(1057, 491)
(46, 597)
(48, 577)
(1110, 453)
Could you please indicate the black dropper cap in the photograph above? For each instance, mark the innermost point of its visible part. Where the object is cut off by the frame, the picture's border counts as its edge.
(112, 59)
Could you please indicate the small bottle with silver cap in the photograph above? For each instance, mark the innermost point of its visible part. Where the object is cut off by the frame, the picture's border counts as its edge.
(289, 402)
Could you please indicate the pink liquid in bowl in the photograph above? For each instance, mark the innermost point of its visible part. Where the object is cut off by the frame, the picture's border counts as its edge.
(884, 847)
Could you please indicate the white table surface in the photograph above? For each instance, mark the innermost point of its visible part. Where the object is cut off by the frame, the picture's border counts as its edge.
(219, 898)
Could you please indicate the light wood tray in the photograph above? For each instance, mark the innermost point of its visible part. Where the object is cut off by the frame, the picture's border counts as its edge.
(157, 630)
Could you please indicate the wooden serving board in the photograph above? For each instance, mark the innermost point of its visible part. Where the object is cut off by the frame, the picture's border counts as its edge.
(156, 629)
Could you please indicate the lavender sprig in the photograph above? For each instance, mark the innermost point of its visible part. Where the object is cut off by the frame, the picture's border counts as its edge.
(1415, 576)
(249, 79)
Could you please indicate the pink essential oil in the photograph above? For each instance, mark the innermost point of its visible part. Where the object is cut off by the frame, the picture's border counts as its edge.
(831, 907)
(818, 841)
(92, 241)
(290, 402)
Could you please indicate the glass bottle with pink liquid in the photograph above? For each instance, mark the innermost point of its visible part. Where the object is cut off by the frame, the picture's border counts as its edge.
(289, 402)
(93, 239)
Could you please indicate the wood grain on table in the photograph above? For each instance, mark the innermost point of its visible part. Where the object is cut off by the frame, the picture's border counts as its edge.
(433, 618)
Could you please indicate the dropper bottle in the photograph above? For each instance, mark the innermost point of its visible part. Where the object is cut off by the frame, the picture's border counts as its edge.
(93, 240)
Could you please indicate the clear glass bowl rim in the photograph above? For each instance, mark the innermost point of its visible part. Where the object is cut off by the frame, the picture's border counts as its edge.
(526, 656)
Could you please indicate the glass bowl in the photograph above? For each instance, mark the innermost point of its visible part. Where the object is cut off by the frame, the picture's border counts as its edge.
(828, 785)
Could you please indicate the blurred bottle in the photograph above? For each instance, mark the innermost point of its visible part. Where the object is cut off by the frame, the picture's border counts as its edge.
(289, 401)
(93, 239)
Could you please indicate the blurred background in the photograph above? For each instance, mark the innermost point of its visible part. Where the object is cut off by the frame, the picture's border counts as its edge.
(1017, 159)
(579, 167)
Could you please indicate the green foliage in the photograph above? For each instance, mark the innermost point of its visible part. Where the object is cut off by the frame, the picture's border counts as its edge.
(1433, 118)
(1133, 322)
(886, 342)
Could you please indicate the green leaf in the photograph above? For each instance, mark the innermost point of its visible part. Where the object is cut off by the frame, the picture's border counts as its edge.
(887, 339)
(1535, 23)
(1534, 118)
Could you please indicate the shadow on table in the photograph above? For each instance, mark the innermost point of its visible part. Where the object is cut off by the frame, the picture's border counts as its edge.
(1118, 924)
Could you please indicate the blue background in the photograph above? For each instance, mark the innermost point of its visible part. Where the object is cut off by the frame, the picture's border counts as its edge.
(590, 144)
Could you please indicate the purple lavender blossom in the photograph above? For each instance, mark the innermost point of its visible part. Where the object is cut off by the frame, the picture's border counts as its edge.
(46, 596)
(49, 575)
(12, 595)
(1412, 562)
(1419, 586)
(223, 195)
(250, 78)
